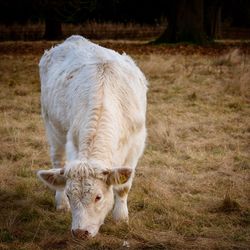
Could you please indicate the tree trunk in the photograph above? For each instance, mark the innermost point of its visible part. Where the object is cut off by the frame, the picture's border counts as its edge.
(217, 33)
(213, 20)
(53, 29)
(185, 22)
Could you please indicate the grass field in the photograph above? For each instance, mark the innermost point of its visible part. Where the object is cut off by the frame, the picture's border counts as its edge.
(192, 186)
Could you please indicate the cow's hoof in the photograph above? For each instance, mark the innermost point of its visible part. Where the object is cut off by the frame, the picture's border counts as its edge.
(121, 221)
(63, 208)
(120, 214)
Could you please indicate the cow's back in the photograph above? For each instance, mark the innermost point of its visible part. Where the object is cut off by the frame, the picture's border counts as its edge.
(70, 82)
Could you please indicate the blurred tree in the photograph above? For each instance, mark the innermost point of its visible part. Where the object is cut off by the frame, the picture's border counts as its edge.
(212, 19)
(193, 21)
(12, 11)
(53, 20)
(57, 11)
(185, 22)
(237, 12)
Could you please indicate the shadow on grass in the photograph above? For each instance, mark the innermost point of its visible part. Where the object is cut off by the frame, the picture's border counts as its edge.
(25, 216)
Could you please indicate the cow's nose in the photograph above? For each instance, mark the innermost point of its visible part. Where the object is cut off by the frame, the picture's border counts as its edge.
(80, 233)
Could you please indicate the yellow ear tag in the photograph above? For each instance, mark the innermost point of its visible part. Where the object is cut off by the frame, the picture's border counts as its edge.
(122, 179)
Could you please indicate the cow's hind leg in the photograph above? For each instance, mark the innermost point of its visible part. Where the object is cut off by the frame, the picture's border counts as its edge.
(57, 149)
(120, 212)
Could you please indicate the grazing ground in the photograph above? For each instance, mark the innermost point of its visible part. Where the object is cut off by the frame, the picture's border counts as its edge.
(192, 186)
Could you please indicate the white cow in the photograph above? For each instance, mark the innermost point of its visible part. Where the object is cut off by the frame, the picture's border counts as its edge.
(93, 104)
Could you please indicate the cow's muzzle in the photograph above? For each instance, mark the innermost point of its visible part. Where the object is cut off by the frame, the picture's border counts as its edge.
(81, 234)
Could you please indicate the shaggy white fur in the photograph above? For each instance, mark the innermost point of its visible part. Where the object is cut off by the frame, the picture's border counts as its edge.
(94, 104)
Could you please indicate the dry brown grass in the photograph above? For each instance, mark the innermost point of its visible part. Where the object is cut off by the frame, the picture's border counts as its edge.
(191, 189)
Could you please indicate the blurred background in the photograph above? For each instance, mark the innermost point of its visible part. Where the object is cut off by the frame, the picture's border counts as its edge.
(191, 189)
(154, 20)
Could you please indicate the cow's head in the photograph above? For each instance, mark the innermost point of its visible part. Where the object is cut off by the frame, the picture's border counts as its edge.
(89, 190)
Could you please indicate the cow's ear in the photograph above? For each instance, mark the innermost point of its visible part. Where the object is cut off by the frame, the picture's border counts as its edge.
(118, 176)
(53, 178)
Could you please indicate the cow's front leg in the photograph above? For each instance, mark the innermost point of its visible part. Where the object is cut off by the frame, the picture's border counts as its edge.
(120, 211)
(62, 202)
(57, 142)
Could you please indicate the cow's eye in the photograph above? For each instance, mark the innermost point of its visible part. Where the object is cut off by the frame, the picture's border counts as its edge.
(97, 198)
